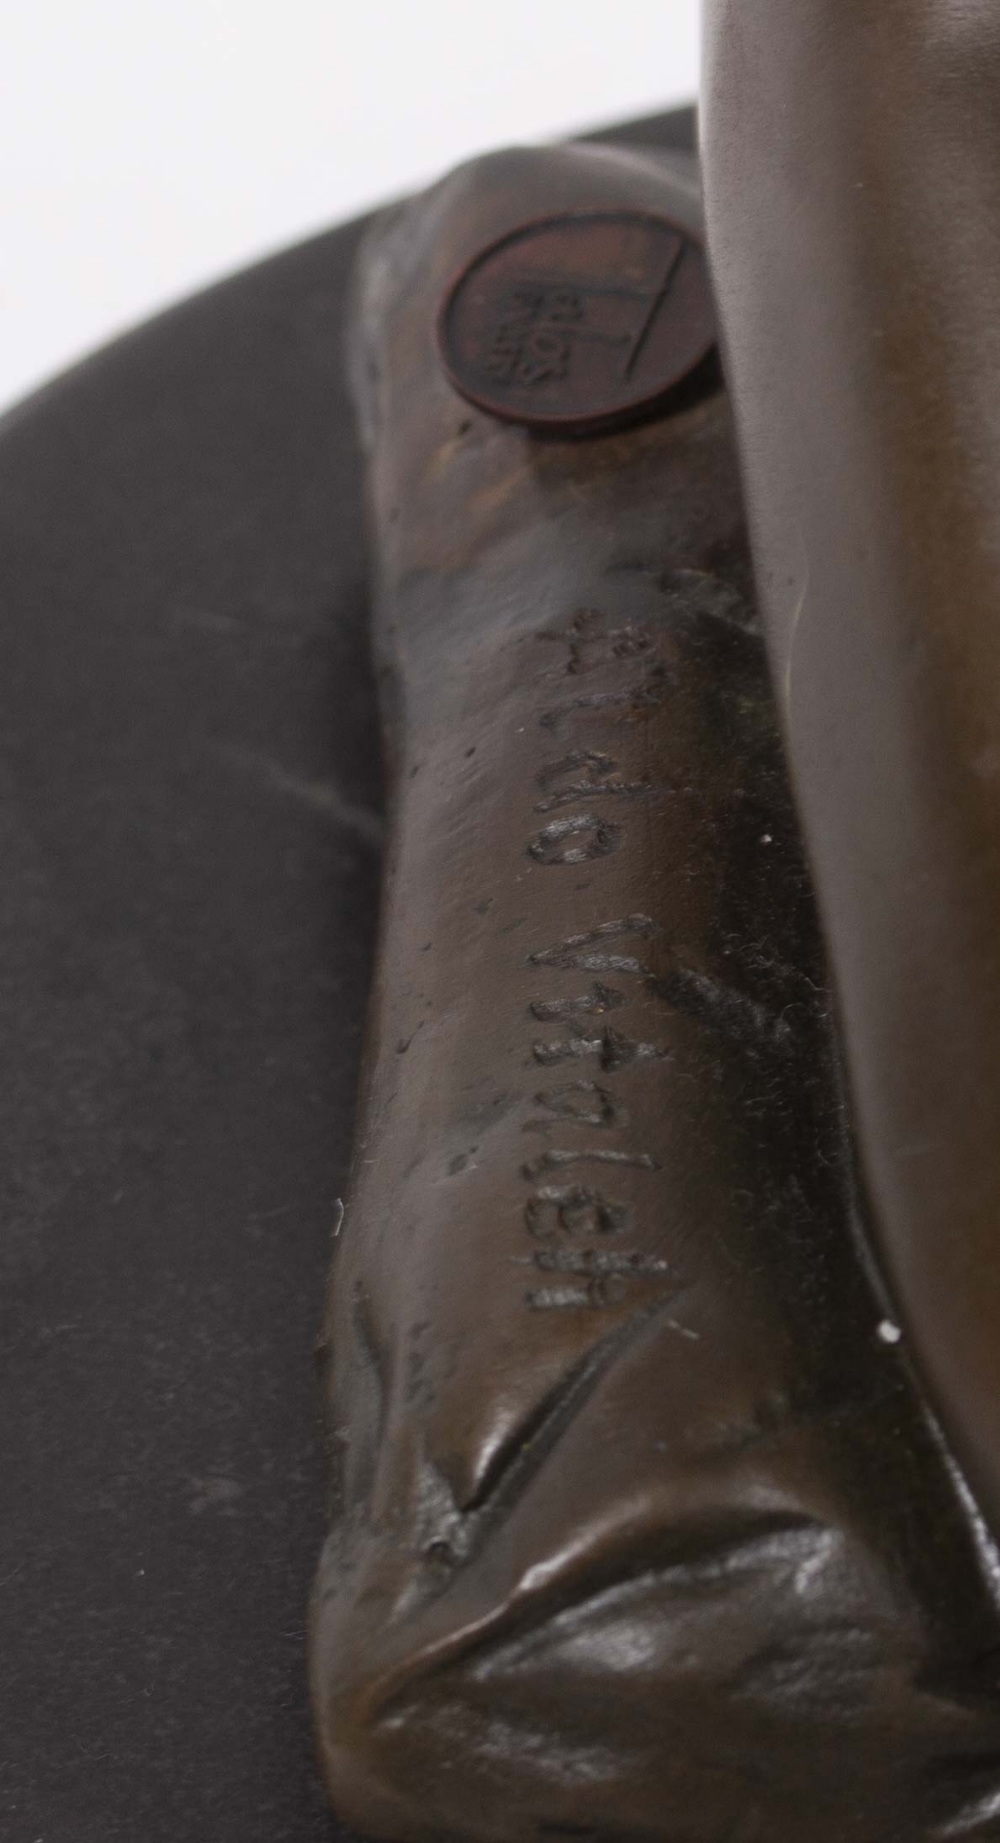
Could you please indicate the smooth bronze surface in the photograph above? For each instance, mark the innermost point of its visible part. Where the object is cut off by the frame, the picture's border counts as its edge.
(639, 1528)
(852, 157)
(578, 323)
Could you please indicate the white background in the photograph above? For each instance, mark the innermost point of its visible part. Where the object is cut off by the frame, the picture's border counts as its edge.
(150, 146)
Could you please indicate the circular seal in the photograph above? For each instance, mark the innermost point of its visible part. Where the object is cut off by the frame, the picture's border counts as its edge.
(578, 323)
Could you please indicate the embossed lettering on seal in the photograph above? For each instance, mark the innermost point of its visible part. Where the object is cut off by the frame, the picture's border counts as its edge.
(577, 323)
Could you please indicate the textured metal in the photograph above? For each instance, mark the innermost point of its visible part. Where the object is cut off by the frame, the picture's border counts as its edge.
(638, 1527)
(580, 322)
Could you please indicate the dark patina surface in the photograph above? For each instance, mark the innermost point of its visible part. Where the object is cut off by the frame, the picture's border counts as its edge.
(580, 322)
(856, 245)
(640, 1528)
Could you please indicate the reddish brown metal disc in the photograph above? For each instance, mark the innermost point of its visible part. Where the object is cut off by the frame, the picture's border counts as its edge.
(578, 323)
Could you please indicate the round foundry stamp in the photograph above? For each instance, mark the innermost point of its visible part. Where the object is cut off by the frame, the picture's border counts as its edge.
(578, 323)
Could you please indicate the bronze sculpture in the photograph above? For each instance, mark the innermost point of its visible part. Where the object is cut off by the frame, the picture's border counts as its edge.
(190, 853)
(635, 1487)
(861, 349)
